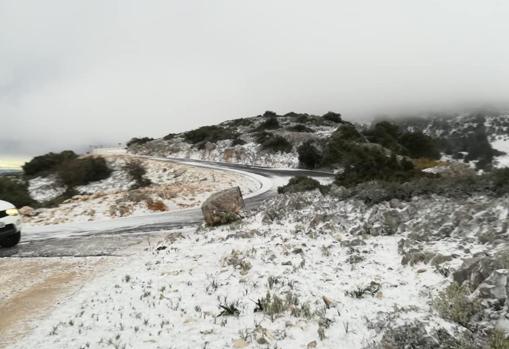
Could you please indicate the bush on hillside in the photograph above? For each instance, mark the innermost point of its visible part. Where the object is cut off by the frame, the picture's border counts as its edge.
(269, 114)
(138, 141)
(387, 135)
(47, 163)
(14, 191)
(309, 156)
(454, 187)
(136, 172)
(348, 132)
(300, 128)
(363, 164)
(334, 117)
(299, 184)
(274, 143)
(270, 124)
(240, 122)
(211, 134)
(83, 171)
(238, 141)
(419, 145)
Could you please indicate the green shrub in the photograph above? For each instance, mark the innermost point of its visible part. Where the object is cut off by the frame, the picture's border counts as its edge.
(139, 141)
(364, 164)
(418, 145)
(238, 141)
(386, 134)
(269, 114)
(136, 172)
(309, 156)
(270, 124)
(299, 184)
(340, 144)
(498, 340)
(14, 191)
(300, 128)
(83, 171)
(454, 304)
(334, 117)
(274, 143)
(211, 134)
(501, 180)
(47, 163)
(169, 136)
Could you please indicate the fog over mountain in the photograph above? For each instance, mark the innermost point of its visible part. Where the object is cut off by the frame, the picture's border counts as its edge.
(79, 73)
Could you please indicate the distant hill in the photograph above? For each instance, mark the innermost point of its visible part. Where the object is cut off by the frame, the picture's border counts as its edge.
(285, 140)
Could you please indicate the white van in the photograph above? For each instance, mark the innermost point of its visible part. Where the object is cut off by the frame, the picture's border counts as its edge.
(10, 225)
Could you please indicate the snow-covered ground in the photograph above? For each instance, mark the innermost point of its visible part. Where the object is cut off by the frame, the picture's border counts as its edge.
(502, 144)
(334, 271)
(174, 187)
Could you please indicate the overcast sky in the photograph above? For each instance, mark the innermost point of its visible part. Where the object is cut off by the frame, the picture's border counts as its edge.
(79, 72)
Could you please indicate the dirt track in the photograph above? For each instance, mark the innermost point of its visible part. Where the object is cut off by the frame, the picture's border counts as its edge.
(32, 286)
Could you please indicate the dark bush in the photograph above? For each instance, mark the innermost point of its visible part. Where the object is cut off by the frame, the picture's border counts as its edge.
(302, 118)
(364, 164)
(136, 172)
(309, 156)
(169, 136)
(348, 132)
(240, 122)
(269, 114)
(387, 135)
(83, 171)
(269, 124)
(47, 163)
(334, 117)
(493, 184)
(14, 191)
(501, 180)
(274, 143)
(238, 141)
(138, 141)
(211, 134)
(299, 184)
(419, 145)
(300, 128)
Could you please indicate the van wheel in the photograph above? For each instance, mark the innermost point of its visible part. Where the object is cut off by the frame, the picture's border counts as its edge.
(11, 240)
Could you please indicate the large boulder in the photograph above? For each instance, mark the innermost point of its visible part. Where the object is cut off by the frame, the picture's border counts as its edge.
(223, 207)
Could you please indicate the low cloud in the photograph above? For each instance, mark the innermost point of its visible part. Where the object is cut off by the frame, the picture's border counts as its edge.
(101, 72)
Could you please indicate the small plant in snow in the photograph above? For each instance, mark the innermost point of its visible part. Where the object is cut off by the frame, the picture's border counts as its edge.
(360, 292)
(238, 260)
(229, 310)
(498, 340)
(454, 304)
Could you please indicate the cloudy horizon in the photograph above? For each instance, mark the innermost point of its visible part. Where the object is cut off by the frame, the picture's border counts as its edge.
(101, 72)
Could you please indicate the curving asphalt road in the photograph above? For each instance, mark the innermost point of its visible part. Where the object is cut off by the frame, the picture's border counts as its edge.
(106, 237)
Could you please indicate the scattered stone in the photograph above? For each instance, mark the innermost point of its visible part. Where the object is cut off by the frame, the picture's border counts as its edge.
(328, 302)
(239, 344)
(27, 211)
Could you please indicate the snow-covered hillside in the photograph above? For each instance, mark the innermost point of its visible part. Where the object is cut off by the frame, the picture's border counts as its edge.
(242, 142)
(173, 187)
(303, 271)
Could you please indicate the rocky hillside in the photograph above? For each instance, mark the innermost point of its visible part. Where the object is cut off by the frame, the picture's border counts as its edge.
(482, 137)
(308, 271)
(309, 141)
(264, 140)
